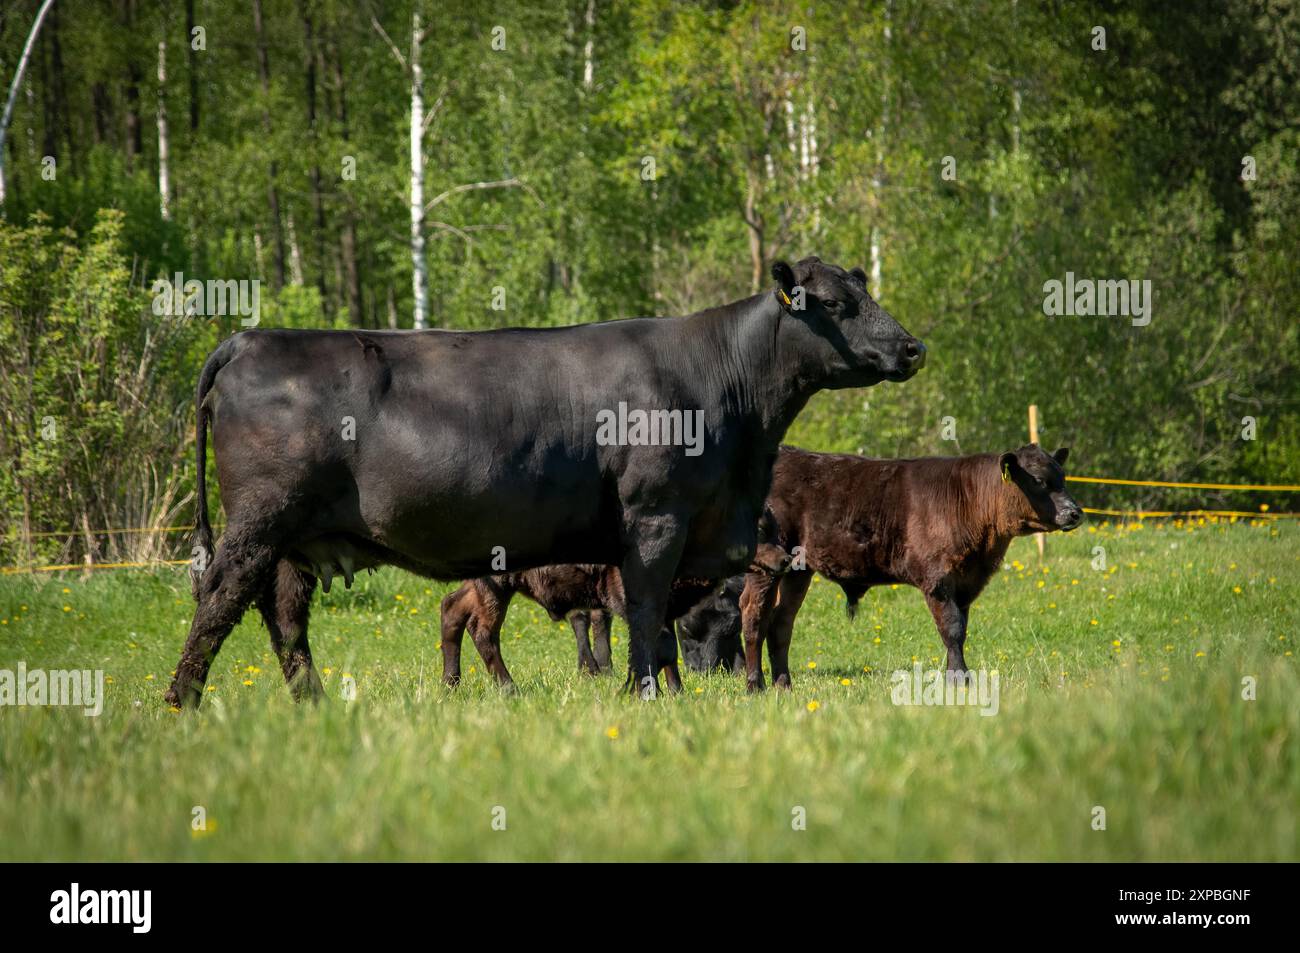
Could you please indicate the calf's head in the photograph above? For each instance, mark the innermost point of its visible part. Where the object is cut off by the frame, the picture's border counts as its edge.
(846, 339)
(1035, 483)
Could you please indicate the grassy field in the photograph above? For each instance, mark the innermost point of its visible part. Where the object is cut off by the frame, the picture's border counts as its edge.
(1119, 687)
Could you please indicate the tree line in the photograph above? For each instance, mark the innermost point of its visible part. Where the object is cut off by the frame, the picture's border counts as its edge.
(396, 163)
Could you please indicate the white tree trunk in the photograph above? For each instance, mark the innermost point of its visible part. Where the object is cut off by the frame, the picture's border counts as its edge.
(877, 179)
(13, 91)
(589, 48)
(419, 268)
(164, 174)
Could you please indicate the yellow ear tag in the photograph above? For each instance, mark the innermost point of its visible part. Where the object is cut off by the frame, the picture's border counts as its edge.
(1005, 475)
(785, 298)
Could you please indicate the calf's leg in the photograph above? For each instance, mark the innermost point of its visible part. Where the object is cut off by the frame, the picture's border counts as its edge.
(485, 630)
(240, 570)
(581, 622)
(950, 618)
(456, 609)
(600, 640)
(791, 591)
(285, 603)
(756, 603)
(666, 654)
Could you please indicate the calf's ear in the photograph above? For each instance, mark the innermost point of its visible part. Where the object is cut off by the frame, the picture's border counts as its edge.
(859, 274)
(1061, 455)
(1008, 463)
(784, 276)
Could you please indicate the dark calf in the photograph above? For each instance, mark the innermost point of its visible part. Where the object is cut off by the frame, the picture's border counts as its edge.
(710, 633)
(586, 595)
(565, 592)
(941, 524)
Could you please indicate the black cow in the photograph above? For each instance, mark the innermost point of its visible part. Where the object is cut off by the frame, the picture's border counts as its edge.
(441, 451)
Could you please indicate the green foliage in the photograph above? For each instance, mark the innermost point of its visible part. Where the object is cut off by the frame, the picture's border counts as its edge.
(1118, 163)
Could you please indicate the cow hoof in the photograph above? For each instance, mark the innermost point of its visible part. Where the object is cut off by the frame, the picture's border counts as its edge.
(781, 682)
(754, 687)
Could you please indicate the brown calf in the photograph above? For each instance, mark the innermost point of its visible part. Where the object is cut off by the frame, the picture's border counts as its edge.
(941, 524)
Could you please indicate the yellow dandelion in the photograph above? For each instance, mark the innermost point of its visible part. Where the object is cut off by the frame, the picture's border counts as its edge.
(846, 681)
(814, 705)
(612, 732)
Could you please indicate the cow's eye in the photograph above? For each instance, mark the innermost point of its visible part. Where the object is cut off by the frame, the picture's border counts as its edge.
(834, 306)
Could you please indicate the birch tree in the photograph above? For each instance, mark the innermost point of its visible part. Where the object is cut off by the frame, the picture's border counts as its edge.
(13, 90)
(164, 174)
(419, 126)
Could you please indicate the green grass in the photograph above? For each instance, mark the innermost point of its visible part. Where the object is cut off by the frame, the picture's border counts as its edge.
(1119, 688)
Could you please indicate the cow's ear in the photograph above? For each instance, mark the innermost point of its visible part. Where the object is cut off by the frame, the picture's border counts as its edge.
(1008, 464)
(784, 276)
(1061, 455)
(859, 274)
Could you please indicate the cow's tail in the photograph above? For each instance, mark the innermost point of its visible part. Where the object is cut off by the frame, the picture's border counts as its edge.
(202, 552)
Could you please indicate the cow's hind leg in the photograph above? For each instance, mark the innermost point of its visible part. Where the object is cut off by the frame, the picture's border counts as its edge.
(581, 622)
(791, 591)
(285, 603)
(240, 570)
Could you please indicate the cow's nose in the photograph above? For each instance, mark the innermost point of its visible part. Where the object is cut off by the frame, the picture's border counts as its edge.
(914, 352)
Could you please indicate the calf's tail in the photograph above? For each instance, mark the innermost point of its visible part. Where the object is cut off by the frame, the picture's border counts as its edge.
(202, 552)
(852, 596)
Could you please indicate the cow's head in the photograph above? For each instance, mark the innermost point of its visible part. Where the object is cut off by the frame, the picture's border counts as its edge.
(1036, 481)
(850, 339)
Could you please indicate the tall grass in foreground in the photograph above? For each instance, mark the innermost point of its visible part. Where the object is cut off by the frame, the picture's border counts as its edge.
(1120, 688)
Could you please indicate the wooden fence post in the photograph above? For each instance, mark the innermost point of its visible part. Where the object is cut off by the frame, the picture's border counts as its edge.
(1033, 438)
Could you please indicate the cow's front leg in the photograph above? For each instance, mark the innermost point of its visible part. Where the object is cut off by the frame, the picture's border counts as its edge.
(755, 609)
(950, 618)
(652, 551)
